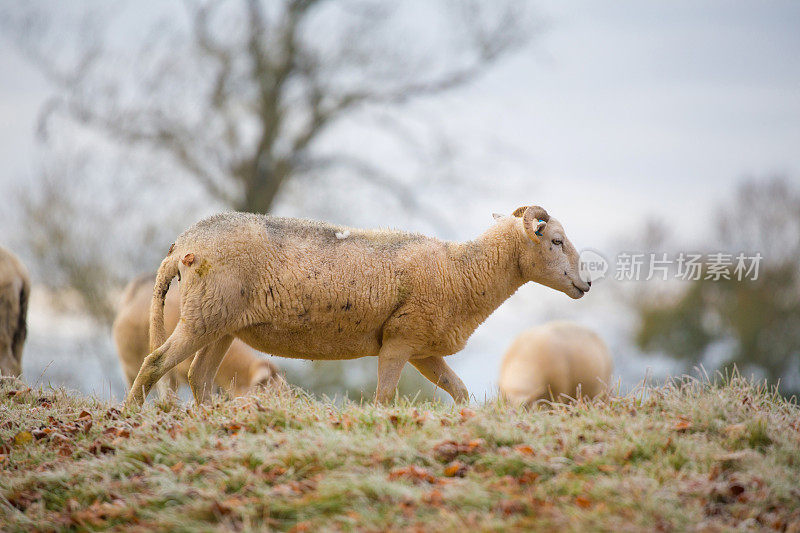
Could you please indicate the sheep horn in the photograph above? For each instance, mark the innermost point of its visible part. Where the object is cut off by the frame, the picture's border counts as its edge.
(533, 221)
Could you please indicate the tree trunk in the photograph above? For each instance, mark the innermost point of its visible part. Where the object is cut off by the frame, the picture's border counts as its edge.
(261, 190)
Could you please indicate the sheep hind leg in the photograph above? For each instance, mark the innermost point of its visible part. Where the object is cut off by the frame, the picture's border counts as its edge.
(204, 368)
(180, 345)
(441, 375)
(391, 360)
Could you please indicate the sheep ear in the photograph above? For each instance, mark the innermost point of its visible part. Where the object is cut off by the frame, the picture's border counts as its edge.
(496, 216)
(518, 212)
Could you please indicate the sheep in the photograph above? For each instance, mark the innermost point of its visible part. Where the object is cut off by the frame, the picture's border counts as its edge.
(15, 288)
(241, 368)
(294, 288)
(557, 360)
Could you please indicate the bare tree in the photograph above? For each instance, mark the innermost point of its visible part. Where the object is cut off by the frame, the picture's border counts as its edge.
(240, 95)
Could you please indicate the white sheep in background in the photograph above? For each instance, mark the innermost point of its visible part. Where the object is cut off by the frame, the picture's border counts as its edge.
(557, 360)
(241, 370)
(311, 290)
(15, 288)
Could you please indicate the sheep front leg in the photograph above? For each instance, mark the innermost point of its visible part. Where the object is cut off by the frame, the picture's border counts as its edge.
(391, 360)
(441, 375)
(204, 367)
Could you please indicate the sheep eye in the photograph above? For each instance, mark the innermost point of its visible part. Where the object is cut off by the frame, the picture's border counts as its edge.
(558, 242)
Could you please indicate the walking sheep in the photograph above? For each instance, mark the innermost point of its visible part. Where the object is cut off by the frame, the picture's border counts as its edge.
(15, 288)
(311, 290)
(241, 368)
(557, 360)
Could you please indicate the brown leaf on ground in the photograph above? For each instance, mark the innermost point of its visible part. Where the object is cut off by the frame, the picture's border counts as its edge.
(434, 498)
(524, 449)
(117, 432)
(22, 438)
(466, 413)
(232, 427)
(682, 425)
(509, 507)
(583, 502)
(607, 468)
(448, 450)
(99, 447)
(85, 415)
(65, 450)
(413, 473)
(527, 477)
(456, 469)
(177, 467)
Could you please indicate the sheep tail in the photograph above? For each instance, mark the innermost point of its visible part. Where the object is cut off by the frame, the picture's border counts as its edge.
(21, 332)
(167, 271)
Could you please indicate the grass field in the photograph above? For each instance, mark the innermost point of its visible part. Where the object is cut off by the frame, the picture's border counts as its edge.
(693, 455)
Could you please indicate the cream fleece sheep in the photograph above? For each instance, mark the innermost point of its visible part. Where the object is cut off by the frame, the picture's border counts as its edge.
(240, 370)
(553, 361)
(294, 288)
(15, 287)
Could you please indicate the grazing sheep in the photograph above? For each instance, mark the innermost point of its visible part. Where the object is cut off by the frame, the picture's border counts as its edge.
(554, 361)
(15, 288)
(311, 290)
(240, 370)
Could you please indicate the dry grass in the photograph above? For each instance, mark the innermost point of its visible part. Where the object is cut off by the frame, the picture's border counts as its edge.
(690, 455)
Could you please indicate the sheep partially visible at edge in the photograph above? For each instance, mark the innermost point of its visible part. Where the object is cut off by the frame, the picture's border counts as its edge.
(15, 288)
(241, 370)
(310, 290)
(555, 361)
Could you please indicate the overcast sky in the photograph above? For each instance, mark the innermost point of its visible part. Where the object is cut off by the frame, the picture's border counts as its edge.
(618, 111)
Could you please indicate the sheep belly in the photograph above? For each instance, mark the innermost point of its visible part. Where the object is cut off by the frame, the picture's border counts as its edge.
(320, 343)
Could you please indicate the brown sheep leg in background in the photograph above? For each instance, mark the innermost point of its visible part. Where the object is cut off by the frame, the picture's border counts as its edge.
(391, 360)
(180, 345)
(441, 375)
(204, 368)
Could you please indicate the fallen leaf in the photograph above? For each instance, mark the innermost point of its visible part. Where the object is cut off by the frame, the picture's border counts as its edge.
(177, 467)
(528, 477)
(682, 425)
(583, 502)
(456, 469)
(99, 447)
(413, 473)
(448, 450)
(22, 438)
(85, 415)
(466, 413)
(607, 468)
(434, 498)
(524, 449)
(509, 507)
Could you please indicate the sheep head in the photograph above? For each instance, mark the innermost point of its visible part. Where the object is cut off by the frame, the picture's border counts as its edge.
(548, 257)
